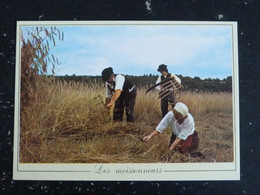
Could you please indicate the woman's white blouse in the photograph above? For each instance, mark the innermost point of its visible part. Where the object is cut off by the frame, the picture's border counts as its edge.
(181, 130)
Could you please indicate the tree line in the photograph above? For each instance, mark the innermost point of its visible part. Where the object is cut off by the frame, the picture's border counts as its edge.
(192, 84)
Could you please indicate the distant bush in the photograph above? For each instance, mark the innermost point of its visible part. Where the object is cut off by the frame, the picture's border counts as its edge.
(190, 84)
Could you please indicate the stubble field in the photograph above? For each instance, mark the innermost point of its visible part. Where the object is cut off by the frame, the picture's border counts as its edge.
(69, 124)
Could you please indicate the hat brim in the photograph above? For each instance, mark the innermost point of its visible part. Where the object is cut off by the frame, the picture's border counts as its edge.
(161, 69)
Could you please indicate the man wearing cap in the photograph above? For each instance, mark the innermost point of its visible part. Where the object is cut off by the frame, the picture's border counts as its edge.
(119, 92)
(169, 98)
(184, 137)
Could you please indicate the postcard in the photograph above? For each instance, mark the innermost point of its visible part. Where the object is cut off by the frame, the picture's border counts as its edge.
(126, 100)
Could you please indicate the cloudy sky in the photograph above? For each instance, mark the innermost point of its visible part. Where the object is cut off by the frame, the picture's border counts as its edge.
(190, 50)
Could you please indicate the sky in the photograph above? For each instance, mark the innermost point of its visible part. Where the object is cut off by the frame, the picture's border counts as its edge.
(190, 50)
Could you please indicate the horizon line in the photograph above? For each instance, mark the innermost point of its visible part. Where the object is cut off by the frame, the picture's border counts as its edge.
(144, 75)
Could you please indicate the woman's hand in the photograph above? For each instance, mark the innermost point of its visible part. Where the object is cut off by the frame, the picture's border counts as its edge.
(175, 143)
(172, 147)
(147, 138)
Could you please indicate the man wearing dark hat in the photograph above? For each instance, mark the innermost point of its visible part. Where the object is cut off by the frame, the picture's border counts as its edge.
(169, 98)
(121, 92)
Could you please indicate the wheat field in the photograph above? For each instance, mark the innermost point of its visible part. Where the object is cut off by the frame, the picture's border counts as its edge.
(68, 123)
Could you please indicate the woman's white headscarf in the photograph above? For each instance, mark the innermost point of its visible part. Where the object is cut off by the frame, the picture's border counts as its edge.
(181, 108)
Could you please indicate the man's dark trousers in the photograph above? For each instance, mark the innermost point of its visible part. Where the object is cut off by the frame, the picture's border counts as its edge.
(125, 101)
(164, 103)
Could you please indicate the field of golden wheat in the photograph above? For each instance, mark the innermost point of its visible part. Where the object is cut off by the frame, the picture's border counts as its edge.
(69, 124)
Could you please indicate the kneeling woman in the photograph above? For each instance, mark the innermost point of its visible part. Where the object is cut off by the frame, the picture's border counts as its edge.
(184, 137)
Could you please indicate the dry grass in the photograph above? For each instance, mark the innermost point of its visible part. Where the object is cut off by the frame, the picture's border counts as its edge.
(69, 125)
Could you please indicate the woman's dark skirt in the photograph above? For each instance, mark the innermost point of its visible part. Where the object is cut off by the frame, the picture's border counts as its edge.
(186, 146)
